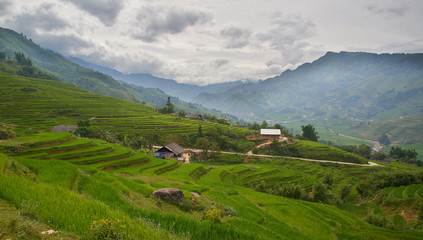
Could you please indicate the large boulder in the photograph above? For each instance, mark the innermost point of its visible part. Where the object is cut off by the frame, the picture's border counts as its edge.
(173, 194)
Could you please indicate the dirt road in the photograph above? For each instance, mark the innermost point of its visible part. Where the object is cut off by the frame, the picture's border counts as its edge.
(369, 164)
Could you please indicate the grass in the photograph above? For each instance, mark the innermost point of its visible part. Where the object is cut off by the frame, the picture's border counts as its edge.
(89, 193)
(56, 103)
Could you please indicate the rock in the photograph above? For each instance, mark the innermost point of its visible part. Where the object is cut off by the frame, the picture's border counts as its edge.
(49, 232)
(173, 194)
(196, 195)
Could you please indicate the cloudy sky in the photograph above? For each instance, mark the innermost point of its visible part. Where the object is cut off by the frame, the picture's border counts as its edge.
(212, 41)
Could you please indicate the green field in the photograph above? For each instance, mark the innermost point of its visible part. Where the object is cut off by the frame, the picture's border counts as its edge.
(32, 178)
(31, 105)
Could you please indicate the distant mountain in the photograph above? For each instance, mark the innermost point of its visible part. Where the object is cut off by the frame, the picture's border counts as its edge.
(345, 85)
(183, 91)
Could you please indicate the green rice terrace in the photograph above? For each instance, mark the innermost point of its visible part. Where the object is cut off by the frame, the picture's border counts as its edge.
(38, 104)
(66, 183)
(83, 188)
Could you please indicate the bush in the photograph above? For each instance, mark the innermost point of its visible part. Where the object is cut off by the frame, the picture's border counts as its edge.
(345, 191)
(106, 229)
(6, 133)
(214, 214)
(376, 219)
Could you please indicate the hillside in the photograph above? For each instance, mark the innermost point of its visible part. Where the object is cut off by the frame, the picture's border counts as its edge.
(358, 87)
(90, 78)
(98, 180)
(66, 70)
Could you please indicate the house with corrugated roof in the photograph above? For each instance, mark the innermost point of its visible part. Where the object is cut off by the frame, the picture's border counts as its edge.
(270, 133)
(172, 150)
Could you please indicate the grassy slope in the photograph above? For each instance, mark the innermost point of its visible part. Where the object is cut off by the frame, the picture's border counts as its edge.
(126, 195)
(52, 103)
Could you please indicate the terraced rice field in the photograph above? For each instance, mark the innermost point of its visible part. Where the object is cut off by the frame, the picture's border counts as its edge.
(80, 151)
(124, 180)
(405, 192)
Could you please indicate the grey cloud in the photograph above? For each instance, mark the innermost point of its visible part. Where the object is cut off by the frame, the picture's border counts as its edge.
(288, 36)
(106, 11)
(42, 26)
(4, 5)
(236, 37)
(387, 11)
(66, 44)
(218, 63)
(42, 19)
(155, 22)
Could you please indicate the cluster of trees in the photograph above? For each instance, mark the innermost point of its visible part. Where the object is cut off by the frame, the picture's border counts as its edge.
(26, 68)
(397, 153)
(309, 133)
(169, 108)
(318, 192)
(405, 155)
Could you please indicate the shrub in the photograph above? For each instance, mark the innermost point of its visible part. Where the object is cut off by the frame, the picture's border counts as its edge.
(345, 191)
(214, 214)
(106, 229)
(6, 133)
(376, 219)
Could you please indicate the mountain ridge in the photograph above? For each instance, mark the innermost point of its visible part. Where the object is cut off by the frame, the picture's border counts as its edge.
(186, 92)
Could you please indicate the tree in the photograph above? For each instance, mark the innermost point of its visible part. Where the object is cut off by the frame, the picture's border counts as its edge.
(255, 126)
(264, 124)
(277, 126)
(2, 55)
(320, 193)
(20, 58)
(200, 132)
(364, 150)
(168, 102)
(384, 139)
(181, 113)
(380, 155)
(309, 133)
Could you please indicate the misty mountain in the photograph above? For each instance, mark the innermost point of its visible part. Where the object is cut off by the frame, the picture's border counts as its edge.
(65, 70)
(357, 85)
(360, 89)
(183, 91)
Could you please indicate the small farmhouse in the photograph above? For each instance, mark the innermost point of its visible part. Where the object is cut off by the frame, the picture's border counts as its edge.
(194, 116)
(172, 150)
(270, 133)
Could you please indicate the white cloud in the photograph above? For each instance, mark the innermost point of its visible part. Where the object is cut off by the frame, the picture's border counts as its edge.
(214, 40)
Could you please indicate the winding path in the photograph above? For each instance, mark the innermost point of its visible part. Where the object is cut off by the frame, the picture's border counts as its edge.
(368, 164)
